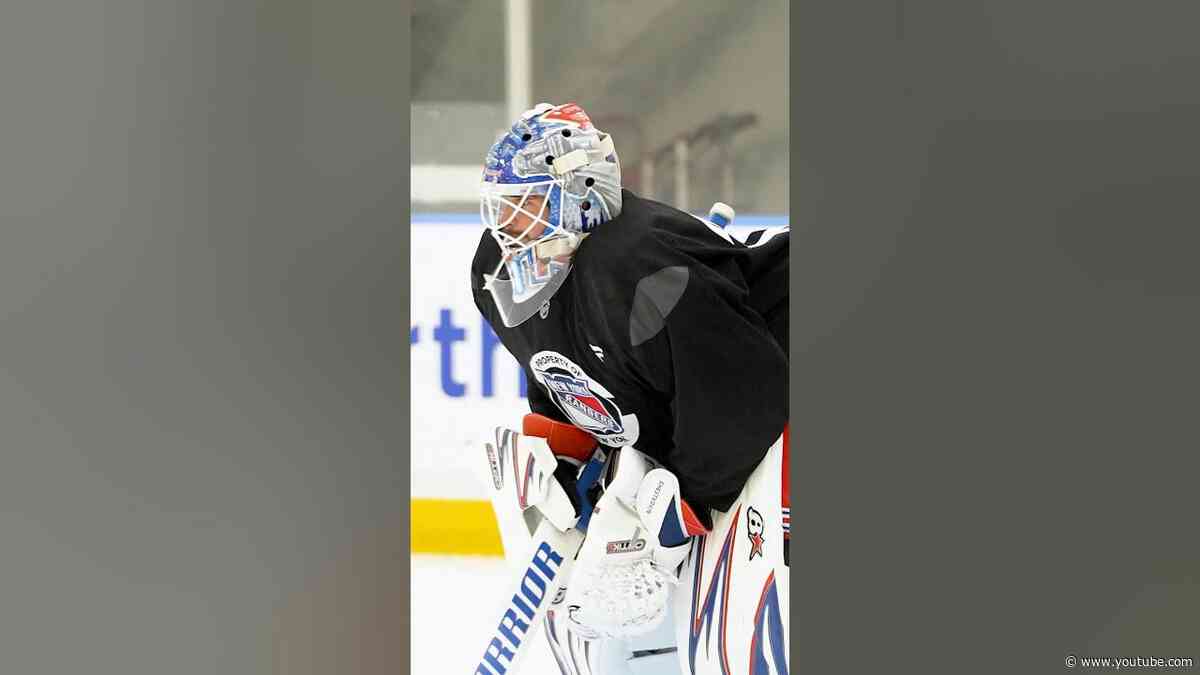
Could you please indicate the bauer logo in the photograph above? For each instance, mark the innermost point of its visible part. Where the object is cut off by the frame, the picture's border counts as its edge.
(625, 546)
(522, 608)
(654, 496)
(496, 465)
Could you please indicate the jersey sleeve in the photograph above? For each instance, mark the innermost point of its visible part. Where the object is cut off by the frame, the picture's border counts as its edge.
(699, 342)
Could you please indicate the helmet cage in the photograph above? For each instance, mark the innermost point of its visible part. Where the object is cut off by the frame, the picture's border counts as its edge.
(553, 152)
(530, 261)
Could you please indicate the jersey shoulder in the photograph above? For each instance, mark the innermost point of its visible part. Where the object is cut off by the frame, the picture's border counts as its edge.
(633, 272)
(647, 237)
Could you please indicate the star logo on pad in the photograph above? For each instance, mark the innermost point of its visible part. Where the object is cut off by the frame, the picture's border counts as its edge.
(754, 530)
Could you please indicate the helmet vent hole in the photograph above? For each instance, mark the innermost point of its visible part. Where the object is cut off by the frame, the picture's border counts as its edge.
(590, 182)
(526, 137)
(585, 205)
(567, 133)
(549, 159)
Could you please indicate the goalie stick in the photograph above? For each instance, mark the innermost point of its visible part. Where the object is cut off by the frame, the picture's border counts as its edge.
(549, 555)
(541, 584)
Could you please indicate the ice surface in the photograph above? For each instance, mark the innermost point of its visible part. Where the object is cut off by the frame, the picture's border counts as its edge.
(456, 602)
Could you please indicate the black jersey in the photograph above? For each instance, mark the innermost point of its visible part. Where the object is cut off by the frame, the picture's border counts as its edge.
(667, 336)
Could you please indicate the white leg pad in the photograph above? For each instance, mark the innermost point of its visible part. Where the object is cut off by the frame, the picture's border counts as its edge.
(731, 607)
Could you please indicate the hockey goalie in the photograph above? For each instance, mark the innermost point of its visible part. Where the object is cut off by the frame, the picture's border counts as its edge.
(652, 468)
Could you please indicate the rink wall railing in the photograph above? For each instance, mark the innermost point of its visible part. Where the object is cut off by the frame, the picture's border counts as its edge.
(464, 383)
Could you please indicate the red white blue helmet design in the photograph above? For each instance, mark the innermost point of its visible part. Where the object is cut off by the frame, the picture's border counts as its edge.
(559, 175)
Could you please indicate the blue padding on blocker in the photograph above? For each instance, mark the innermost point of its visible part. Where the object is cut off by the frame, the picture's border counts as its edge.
(671, 534)
(587, 478)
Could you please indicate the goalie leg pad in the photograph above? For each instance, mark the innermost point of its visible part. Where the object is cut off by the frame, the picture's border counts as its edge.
(522, 469)
(732, 603)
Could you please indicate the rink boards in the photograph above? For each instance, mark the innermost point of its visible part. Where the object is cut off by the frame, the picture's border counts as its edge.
(463, 383)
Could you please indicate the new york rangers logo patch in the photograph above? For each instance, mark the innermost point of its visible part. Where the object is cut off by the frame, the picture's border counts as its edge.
(575, 394)
(585, 402)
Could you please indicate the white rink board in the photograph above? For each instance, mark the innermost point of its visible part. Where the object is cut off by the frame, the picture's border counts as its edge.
(451, 411)
(458, 392)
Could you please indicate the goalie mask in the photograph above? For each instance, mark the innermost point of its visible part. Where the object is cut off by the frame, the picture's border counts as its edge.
(547, 182)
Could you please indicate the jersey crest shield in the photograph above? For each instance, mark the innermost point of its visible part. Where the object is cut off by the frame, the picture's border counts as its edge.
(585, 402)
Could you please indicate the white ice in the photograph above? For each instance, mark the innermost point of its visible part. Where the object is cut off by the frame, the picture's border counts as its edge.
(456, 602)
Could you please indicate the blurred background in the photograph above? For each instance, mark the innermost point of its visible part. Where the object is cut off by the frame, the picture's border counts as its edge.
(695, 96)
(202, 372)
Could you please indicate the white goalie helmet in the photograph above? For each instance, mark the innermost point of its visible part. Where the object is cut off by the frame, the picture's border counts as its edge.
(547, 182)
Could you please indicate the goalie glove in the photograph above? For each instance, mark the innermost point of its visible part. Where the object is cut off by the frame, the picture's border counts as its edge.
(640, 532)
(529, 462)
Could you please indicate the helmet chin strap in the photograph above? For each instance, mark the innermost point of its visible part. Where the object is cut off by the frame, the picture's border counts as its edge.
(580, 157)
(513, 313)
(555, 247)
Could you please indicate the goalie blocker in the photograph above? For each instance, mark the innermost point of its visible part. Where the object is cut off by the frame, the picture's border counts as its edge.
(728, 612)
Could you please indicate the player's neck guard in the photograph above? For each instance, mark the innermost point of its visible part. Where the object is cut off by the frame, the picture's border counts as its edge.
(515, 310)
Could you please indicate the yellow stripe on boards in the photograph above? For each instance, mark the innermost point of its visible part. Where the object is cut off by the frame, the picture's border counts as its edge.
(455, 527)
